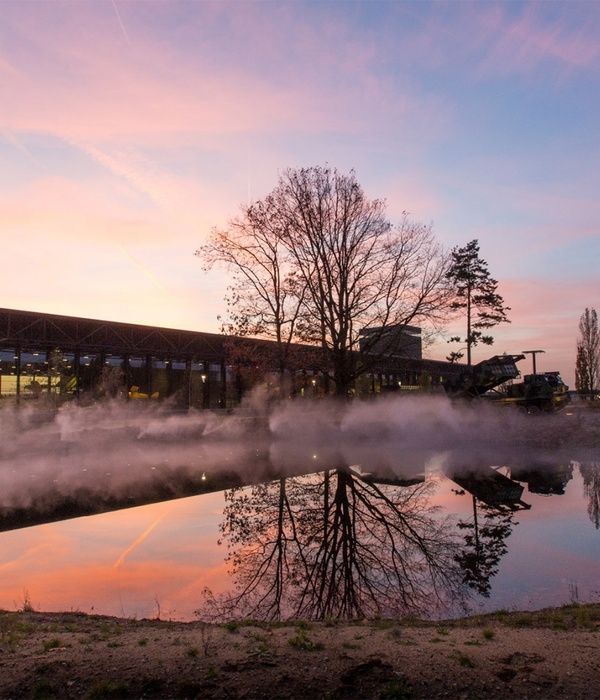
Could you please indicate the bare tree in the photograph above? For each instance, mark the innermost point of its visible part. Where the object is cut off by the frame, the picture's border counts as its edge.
(266, 296)
(320, 259)
(335, 545)
(587, 370)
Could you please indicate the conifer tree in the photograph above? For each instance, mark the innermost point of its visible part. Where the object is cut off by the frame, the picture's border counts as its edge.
(475, 292)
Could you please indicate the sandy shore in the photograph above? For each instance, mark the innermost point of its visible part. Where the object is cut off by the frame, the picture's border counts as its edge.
(552, 653)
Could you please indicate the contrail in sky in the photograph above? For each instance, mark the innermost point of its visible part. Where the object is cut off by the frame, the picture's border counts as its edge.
(114, 4)
(139, 541)
(141, 267)
(13, 140)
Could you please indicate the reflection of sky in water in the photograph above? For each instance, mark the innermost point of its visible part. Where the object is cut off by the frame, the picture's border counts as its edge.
(118, 563)
(554, 549)
(160, 557)
(130, 562)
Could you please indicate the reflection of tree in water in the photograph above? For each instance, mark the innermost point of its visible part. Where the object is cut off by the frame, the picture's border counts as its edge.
(590, 471)
(334, 545)
(485, 545)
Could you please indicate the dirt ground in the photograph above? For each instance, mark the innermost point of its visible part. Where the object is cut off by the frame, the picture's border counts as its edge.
(553, 653)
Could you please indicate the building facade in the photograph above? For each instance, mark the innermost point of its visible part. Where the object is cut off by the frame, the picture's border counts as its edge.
(61, 357)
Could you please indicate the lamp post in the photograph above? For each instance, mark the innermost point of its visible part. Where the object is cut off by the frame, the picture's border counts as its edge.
(533, 353)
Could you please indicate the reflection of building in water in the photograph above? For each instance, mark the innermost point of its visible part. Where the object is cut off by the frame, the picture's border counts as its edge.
(64, 357)
(547, 479)
(490, 487)
(386, 477)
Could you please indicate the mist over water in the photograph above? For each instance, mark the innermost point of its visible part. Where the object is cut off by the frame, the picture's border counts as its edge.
(73, 461)
(115, 448)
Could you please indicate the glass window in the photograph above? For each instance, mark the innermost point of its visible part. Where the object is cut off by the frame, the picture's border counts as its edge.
(178, 383)
(33, 378)
(137, 378)
(8, 373)
(160, 378)
(111, 381)
(61, 373)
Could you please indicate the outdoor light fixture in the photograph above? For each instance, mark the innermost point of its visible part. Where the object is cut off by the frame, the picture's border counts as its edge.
(533, 353)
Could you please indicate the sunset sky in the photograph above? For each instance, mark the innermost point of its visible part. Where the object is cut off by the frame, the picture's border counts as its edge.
(129, 129)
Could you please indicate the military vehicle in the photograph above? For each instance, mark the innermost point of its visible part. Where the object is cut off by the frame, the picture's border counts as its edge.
(541, 392)
(544, 392)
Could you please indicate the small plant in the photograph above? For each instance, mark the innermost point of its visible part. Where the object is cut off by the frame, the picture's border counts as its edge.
(574, 592)
(383, 624)
(232, 626)
(106, 630)
(51, 644)
(582, 617)
(473, 643)
(442, 630)
(192, 652)
(465, 660)
(27, 605)
(143, 641)
(9, 633)
(350, 645)
(303, 642)
(558, 621)
(488, 634)
(521, 620)
(259, 646)
(206, 635)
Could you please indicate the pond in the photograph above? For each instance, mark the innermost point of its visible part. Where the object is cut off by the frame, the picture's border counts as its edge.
(406, 506)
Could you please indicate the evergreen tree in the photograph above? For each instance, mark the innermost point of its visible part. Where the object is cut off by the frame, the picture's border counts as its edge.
(587, 369)
(475, 292)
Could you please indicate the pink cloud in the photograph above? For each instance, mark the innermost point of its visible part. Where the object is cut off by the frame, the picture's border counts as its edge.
(528, 40)
(219, 72)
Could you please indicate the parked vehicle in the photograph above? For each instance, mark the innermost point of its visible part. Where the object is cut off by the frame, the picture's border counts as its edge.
(541, 392)
(544, 392)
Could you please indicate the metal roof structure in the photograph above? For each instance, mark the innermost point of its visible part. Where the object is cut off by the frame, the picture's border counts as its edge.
(48, 331)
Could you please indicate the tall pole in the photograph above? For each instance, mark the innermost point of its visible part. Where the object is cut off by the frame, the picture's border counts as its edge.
(533, 353)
